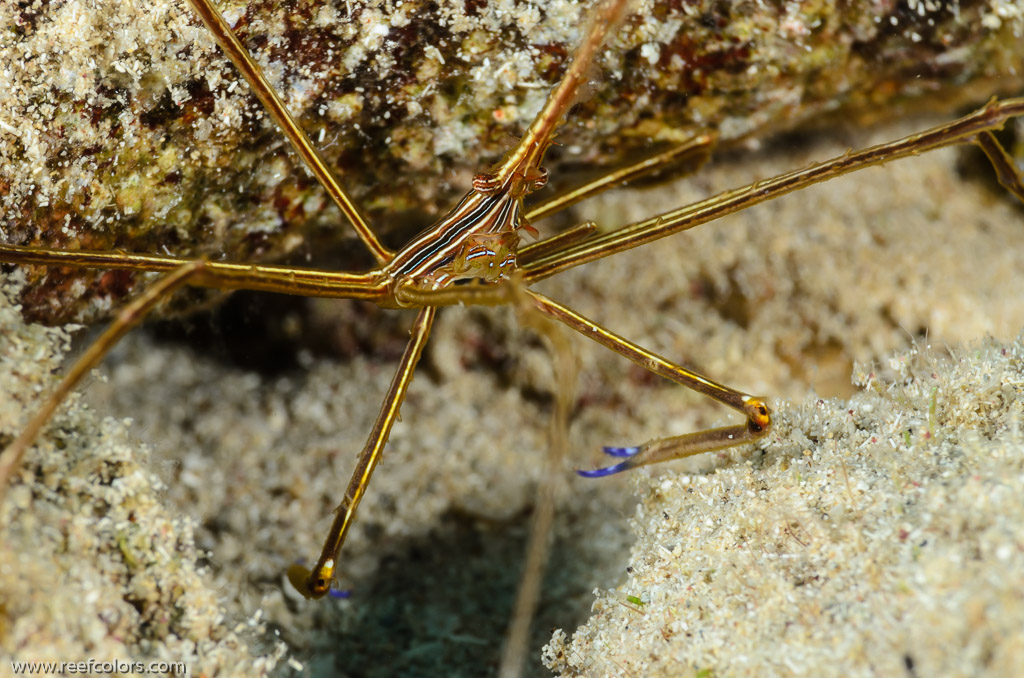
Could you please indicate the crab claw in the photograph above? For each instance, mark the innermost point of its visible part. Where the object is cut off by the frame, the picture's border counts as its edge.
(621, 451)
(606, 471)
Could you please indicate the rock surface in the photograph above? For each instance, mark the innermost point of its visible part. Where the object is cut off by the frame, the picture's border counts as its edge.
(121, 126)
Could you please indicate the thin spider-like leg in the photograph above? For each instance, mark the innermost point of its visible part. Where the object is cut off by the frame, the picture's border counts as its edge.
(1006, 170)
(753, 408)
(130, 316)
(698, 150)
(217, 274)
(549, 485)
(238, 54)
(557, 242)
(472, 294)
(969, 128)
(317, 583)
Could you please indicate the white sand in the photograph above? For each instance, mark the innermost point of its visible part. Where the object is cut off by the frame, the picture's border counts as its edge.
(877, 536)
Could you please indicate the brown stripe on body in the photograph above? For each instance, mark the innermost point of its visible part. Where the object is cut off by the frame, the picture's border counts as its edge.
(431, 254)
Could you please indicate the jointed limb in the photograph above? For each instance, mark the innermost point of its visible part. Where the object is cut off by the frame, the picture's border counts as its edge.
(754, 409)
(217, 274)
(472, 294)
(130, 316)
(550, 483)
(557, 242)
(972, 128)
(235, 51)
(1006, 171)
(697, 149)
(317, 583)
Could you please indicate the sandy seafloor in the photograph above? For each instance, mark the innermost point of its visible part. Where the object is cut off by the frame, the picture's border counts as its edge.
(864, 537)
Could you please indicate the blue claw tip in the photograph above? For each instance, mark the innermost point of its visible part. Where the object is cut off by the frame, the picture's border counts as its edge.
(620, 451)
(339, 593)
(602, 472)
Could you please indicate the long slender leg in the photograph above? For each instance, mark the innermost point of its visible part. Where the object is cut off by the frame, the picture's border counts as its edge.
(317, 583)
(1006, 171)
(565, 369)
(753, 408)
(698, 148)
(473, 294)
(235, 51)
(129, 317)
(557, 242)
(968, 129)
(219, 274)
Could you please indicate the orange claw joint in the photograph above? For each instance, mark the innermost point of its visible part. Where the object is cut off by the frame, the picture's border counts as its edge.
(316, 584)
(665, 449)
(759, 416)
